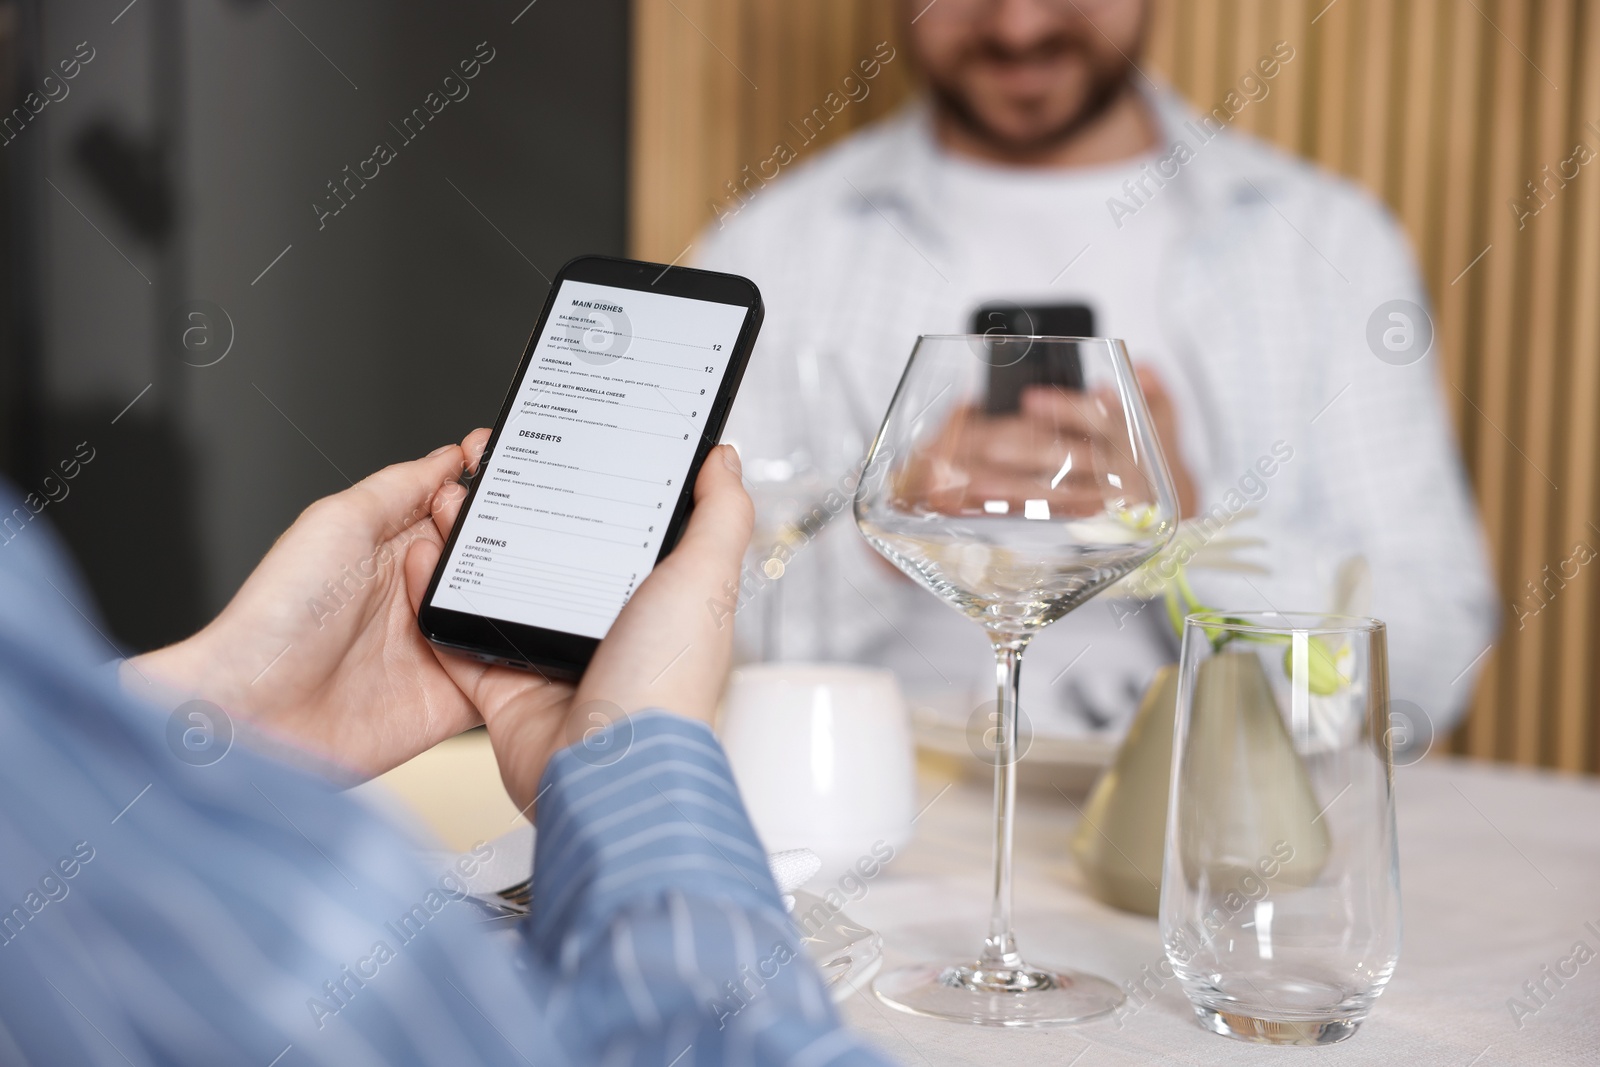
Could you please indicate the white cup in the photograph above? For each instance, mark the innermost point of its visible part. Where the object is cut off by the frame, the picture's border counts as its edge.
(823, 755)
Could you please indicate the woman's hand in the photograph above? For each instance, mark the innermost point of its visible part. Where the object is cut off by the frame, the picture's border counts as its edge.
(670, 648)
(320, 646)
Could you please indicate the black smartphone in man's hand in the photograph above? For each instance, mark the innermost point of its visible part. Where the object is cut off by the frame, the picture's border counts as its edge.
(1013, 368)
(587, 480)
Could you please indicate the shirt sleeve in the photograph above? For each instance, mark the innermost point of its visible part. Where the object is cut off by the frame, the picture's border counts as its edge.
(1369, 464)
(170, 903)
(1392, 463)
(657, 917)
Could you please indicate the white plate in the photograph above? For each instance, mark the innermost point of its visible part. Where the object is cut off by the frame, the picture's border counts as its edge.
(1070, 764)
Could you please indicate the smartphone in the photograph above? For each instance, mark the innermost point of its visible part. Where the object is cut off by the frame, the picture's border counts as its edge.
(1054, 365)
(587, 480)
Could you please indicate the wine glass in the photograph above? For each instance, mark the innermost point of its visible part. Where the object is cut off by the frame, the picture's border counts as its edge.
(1014, 478)
(796, 456)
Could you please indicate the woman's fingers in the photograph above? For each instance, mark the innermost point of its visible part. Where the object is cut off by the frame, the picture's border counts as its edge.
(524, 712)
(422, 557)
(473, 445)
(490, 689)
(668, 648)
(402, 493)
(671, 646)
(723, 516)
(447, 503)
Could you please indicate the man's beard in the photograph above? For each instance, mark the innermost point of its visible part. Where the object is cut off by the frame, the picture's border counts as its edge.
(1106, 85)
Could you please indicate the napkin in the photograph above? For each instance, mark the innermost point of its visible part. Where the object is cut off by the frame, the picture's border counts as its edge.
(499, 864)
(791, 869)
(508, 859)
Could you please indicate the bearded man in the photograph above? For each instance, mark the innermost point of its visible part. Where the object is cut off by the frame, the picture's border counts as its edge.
(1274, 311)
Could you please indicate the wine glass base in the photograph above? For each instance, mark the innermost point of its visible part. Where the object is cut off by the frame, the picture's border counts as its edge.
(1017, 997)
(1276, 1031)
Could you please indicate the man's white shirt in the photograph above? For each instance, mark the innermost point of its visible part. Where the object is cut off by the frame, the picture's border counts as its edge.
(1245, 277)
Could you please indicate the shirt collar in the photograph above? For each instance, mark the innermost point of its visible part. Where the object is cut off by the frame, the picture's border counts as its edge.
(893, 175)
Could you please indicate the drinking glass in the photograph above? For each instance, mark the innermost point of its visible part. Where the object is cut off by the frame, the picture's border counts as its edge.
(1280, 890)
(796, 457)
(1014, 478)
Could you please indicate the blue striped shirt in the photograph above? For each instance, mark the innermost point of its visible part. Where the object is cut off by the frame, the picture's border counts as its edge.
(248, 912)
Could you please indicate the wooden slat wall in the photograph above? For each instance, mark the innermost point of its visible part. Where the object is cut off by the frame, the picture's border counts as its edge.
(716, 85)
(1446, 109)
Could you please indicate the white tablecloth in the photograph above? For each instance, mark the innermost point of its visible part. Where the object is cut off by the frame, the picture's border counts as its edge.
(1500, 872)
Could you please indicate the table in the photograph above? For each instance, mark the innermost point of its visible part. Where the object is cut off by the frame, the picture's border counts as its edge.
(1500, 875)
(1499, 871)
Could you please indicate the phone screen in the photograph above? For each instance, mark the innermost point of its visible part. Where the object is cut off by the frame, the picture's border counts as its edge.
(577, 493)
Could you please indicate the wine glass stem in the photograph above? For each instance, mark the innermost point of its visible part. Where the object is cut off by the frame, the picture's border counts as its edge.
(1000, 948)
(772, 623)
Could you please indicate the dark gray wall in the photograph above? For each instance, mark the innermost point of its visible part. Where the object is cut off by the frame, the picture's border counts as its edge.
(391, 329)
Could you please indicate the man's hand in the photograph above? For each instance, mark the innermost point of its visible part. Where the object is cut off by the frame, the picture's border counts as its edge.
(320, 645)
(669, 649)
(1165, 416)
(1067, 447)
